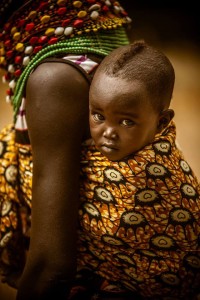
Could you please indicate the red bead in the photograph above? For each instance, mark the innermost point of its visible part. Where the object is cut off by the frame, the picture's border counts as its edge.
(61, 10)
(43, 39)
(29, 26)
(7, 76)
(17, 72)
(21, 23)
(91, 1)
(52, 41)
(78, 23)
(7, 43)
(43, 5)
(33, 40)
(105, 8)
(9, 92)
(18, 59)
(124, 13)
(9, 54)
(37, 49)
(7, 27)
(66, 22)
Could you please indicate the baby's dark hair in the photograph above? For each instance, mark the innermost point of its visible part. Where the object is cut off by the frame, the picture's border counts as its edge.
(140, 61)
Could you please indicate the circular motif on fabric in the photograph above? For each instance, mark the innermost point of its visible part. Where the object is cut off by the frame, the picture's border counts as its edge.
(170, 279)
(188, 190)
(113, 175)
(132, 273)
(11, 173)
(24, 151)
(91, 210)
(4, 241)
(193, 261)
(147, 196)
(2, 148)
(180, 216)
(6, 207)
(184, 166)
(133, 218)
(162, 147)
(103, 194)
(112, 240)
(162, 242)
(148, 253)
(125, 258)
(157, 170)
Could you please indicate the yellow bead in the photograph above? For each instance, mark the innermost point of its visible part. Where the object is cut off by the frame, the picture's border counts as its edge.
(19, 47)
(45, 19)
(49, 31)
(61, 2)
(16, 36)
(95, 29)
(77, 4)
(2, 51)
(32, 14)
(82, 14)
(2, 60)
(13, 30)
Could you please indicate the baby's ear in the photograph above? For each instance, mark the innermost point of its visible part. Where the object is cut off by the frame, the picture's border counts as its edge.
(165, 117)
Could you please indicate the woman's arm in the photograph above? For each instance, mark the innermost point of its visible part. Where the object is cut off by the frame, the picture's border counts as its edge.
(57, 117)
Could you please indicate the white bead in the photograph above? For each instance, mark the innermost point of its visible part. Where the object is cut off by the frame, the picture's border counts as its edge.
(107, 2)
(28, 50)
(68, 30)
(8, 99)
(129, 20)
(94, 15)
(11, 69)
(12, 84)
(95, 7)
(3, 79)
(59, 31)
(26, 60)
(117, 9)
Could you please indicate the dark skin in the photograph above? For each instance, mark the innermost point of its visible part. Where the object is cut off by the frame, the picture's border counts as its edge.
(57, 112)
(57, 117)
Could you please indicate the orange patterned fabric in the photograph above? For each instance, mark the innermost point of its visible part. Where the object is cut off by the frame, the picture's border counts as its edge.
(14, 211)
(140, 220)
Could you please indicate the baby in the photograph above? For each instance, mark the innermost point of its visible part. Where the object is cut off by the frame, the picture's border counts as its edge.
(140, 203)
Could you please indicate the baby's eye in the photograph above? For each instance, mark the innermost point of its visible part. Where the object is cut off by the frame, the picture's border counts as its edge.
(127, 123)
(97, 117)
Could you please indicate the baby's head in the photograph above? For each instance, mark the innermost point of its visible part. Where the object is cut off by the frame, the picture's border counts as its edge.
(129, 99)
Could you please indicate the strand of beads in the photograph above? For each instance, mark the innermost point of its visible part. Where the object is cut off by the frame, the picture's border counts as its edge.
(78, 45)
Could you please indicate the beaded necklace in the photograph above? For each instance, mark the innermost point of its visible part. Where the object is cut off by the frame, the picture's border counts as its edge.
(45, 28)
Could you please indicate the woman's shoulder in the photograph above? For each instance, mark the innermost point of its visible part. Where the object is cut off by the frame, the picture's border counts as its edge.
(65, 67)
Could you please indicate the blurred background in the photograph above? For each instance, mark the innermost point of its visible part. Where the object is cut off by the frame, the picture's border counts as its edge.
(176, 32)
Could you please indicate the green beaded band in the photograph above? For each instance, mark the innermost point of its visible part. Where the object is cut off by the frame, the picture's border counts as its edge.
(100, 43)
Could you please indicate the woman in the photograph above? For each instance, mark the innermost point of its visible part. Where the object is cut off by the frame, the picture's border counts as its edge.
(50, 50)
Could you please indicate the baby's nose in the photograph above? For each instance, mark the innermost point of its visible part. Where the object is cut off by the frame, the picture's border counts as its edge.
(110, 133)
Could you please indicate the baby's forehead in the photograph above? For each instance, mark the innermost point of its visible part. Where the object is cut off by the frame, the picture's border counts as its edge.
(118, 92)
(103, 83)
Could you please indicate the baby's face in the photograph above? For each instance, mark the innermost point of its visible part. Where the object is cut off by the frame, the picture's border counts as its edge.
(122, 120)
